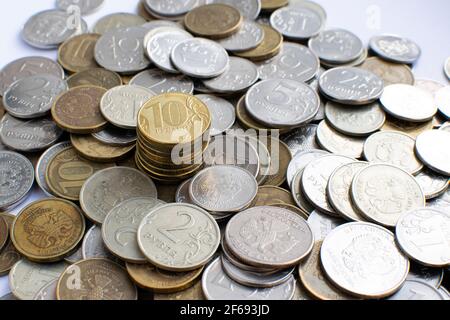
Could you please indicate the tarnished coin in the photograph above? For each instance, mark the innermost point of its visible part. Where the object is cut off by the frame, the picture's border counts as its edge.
(322, 224)
(161, 82)
(412, 129)
(302, 139)
(99, 279)
(249, 9)
(294, 62)
(432, 184)
(269, 47)
(4, 232)
(200, 58)
(115, 136)
(178, 226)
(338, 143)
(408, 103)
(415, 291)
(194, 293)
(392, 148)
(442, 97)
(108, 188)
(432, 147)
(17, 178)
(48, 292)
(77, 53)
(85, 6)
(249, 36)
(117, 21)
(349, 85)
(268, 195)
(280, 158)
(431, 276)
(32, 97)
(92, 149)
(391, 73)
(8, 255)
(382, 193)
(93, 245)
(97, 77)
(120, 227)
(381, 267)
(30, 135)
(423, 236)
(223, 114)
(395, 48)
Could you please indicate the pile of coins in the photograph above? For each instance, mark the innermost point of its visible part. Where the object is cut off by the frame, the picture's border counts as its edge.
(221, 150)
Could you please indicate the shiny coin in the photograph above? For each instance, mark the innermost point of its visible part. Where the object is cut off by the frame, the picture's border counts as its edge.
(432, 147)
(161, 82)
(4, 232)
(384, 268)
(85, 6)
(107, 188)
(280, 158)
(249, 36)
(249, 9)
(269, 47)
(431, 276)
(444, 292)
(392, 148)
(265, 159)
(413, 129)
(355, 63)
(382, 193)
(115, 136)
(416, 290)
(175, 225)
(194, 293)
(432, 184)
(269, 195)
(8, 255)
(48, 292)
(92, 149)
(442, 97)
(99, 279)
(338, 143)
(182, 194)
(396, 49)
(298, 194)
(97, 77)
(302, 213)
(391, 73)
(117, 21)
(77, 53)
(302, 139)
(170, 9)
(322, 224)
(93, 245)
(223, 114)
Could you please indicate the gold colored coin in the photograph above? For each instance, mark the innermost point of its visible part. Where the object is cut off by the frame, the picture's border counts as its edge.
(168, 172)
(4, 231)
(9, 256)
(97, 77)
(90, 148)
(48, 230)
(67, 172)
(168, 165)
(78, 110)
(270, 195)
(292, 208)
(194, 293)
(409, 128)
(213, 21)
(391, 73)
(271, 5)
(280, 160)
(78, 53)
(151, 278)
(269, 48)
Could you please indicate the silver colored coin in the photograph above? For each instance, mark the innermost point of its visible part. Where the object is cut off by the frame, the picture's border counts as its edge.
(315, 180)
(249, 9)
(440, 203)
(445, 293)
(433, 149)
(75, 257)
(192, 234)
(200, 58)
(223, 113)
(162, 82)
(431, 276)
(48, 292)
(115, 136)
(122, 50)
(33, 97)
(394, 148)
(396, 49)
(93, 246)
(30, 135)
(383, 193)
(322, 224)
(408, 103)
(361, 121)
(153, 24)
(337, 46)
(182, 194)
(315, 85)
(447, 68)
(119, 231)
(300, 161)
(291, 238)
(338, 143)
(16, 176)
(218, 286)
(416, 290)
(224, 189)
(109, 187)
(282, 103)
(171, 8)
(350, 85)
(27, 67)
(85, 6)
(302, 139)
(442, 97)
(294, 62)
(423, 236)
(355, 63)
(118, 21)
(249, 36)
(432, 184)
(121, 105)
(298, 194)
(363, 260)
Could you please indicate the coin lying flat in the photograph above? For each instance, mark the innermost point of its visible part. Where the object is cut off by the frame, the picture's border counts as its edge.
(442, 97)
(47, 292)
(169, 9)
(92, 149)
(269, 47)
(116, 137)
(269, 195)
(223, 114)
(249, 36)
(416, 290)
(363, 259)
(396, 49)
(322, 224)
(194, 293)
(8, 255)
(432, 184)
(302, 139)
(427, 145)
(390, 72)
(412, 129)
(116, 21)
(161, 82)
(97, 77)
(248, 9)
(77, 53)
(85, 6)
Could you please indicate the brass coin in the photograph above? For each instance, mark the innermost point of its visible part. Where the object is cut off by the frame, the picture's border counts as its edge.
(169, 168)
(270, 5)
(391, 73)
(67, 172)
(269, 195)
(78, 110)
(90, 148)
(4, 231)
(215, 21)
(269, 48)
(8, 255)
(162, 176)
(48, 230)
(97, 77)
(292, 208)
(77, 53)
(409, 128)
(194, 293)
(280, 160)
(151, 278)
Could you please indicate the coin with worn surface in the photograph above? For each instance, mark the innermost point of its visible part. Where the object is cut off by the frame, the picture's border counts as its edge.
(431, 276)
(392, 148)
(412, 129)
(120, 227)
(383, 193)
(432, 184)
(117, 21)
(363, 259)
(302, 139)
(167, 236)
(269, 47)
(161, 82)
(92, 149)
(268, 195)
(415, 291)
(48, 292)
(442, 98)
(249, 9)
(390, 72)
(109, 187)
(93, 245)
(249, 36)
(279, 161)
(338, 143)
(427, 145)
(223, 114)
(115, 136)
(97, 77)
(194, 293)
(322, 224)
(4, 232)
(77, 53)
(350, 85)
(8, 255)
(85, 6)
(98, 279)
(395, 48)
(32, 97)
(423, 236)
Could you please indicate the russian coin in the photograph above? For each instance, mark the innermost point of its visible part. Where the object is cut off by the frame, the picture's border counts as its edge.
(8, 255)
(381, 267)
(382, 193)
(92, 149)
(269, 195)
(294, 62)
(361, 121)
(279, 161)
(432, 184)
(431, 276)
(350, 85)
(4, 232)
(85, 6)
(249, 36)
(396, 49)
(416, 290)
(178, 226)
(422, 235)
(338, 143)
(408, 103)
(170, 8)
(248, 9)
(265, 160)
(355, 63)
(200, 58)
(269, 47)
(322, 224)
(428, 143)
(154, 24)
(161, 82)
(75, 257)
(194, 293)
(77, 53)
(223, 114)
(393, 148)
(115, 136)
(442, 98)
(413, 129)
(120, 227)
(302, 139)
(302, 213)
(109, 187)
(17, 176)
(99, 279)
(117, 21)
(298, 194)
(30, 135)
(182, 194)
(47, 292)
(93, 246)
(97, 77)
(270, 5)
(391, 73)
